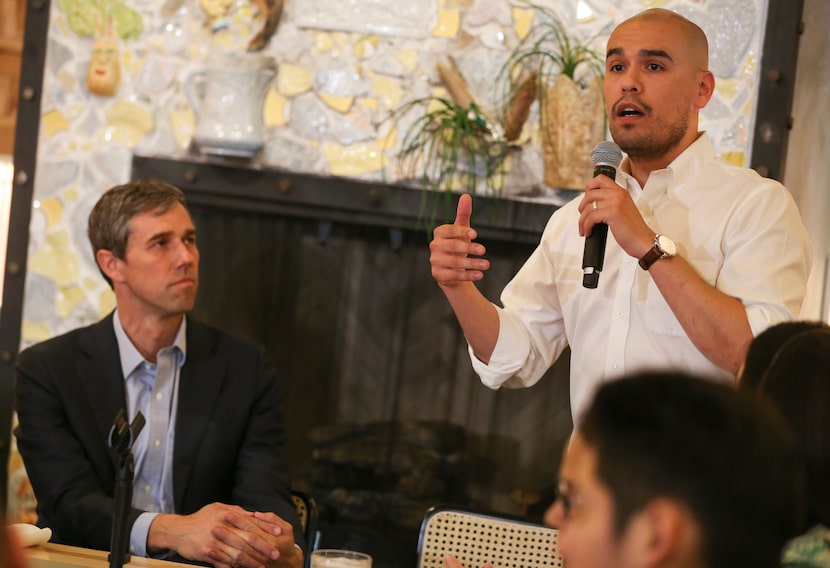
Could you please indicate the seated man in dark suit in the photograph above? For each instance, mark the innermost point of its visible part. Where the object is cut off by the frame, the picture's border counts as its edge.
(211, 479)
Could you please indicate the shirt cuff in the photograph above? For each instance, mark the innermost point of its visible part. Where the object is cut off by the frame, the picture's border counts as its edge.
(138, 534)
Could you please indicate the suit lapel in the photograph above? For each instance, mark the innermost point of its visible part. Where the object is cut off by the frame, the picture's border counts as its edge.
(99, 371)
(199, 384)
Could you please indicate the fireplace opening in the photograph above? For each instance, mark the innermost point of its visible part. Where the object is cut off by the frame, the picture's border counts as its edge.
(383, 413)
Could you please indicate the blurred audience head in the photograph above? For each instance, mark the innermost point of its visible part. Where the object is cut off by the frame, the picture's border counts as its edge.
(668, 469)
(766, 344)
(797, 382)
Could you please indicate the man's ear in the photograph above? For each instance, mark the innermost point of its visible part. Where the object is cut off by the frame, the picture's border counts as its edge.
(109, 264)
(664, 533)
(706, 88)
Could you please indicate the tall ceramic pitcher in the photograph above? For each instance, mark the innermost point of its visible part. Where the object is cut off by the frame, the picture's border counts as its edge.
(227, 99)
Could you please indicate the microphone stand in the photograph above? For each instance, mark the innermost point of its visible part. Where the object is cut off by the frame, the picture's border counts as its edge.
(121, 441)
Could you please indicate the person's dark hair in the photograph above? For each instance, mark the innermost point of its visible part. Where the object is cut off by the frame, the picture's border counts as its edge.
(108, 227)
(724, 454)
(798, 384)
(766, 344)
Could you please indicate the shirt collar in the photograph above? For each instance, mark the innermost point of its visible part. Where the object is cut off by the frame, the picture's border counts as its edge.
(131, 358)
(700, 153)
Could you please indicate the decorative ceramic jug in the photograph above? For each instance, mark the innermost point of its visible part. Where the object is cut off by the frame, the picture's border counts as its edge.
(227, 100)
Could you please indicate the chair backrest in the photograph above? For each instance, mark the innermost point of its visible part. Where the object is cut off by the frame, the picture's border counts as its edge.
(307, 510)
(477, 538)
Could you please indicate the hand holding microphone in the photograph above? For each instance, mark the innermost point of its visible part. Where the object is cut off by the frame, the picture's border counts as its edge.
(606, 157)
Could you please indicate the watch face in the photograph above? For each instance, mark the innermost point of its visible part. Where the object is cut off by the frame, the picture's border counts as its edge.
(666, 245)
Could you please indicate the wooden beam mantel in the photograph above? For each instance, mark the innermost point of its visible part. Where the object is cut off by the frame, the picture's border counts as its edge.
(246, 186)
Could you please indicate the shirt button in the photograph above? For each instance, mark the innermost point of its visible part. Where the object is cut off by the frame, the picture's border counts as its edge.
(157, 443)
(614, 365)
(620, 314)
(158, 396)
(627, 261)
(147, 489)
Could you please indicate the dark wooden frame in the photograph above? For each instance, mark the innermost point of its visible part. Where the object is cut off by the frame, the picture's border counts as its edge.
(25, 155)
(768, 153)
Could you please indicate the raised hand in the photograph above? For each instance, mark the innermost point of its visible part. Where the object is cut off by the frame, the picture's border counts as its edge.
(453, 252)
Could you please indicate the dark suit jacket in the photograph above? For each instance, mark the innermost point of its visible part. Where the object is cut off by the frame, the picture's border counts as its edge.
(229, 434)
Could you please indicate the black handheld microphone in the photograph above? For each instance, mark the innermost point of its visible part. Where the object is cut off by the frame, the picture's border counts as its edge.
(606, 158)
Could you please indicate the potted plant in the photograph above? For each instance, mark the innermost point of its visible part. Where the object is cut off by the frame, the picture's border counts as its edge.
(449, 144)
(566, 75)
(448, 147)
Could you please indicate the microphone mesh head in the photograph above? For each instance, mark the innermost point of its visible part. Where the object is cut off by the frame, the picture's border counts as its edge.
(607, 153)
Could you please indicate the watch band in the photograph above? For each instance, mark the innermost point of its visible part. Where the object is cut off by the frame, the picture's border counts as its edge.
(663, 247)
(653, 255)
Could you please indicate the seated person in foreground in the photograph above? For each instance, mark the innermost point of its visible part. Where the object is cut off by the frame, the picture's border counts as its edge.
(669, 470)
(211, 479)
(797, 382)
(766, 344)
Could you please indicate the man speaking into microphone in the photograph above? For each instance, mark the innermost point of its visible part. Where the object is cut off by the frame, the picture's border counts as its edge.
(701, 255)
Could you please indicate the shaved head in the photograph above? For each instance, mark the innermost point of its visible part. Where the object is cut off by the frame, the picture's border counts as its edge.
(694, 37)
(656, 81)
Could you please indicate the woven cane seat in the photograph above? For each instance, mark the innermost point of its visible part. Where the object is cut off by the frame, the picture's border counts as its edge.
(478, 538)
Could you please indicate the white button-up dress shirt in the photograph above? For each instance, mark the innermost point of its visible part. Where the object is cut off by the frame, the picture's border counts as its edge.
(741, 232)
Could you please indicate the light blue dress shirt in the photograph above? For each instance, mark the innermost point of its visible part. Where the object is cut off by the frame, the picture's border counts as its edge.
(152, 389)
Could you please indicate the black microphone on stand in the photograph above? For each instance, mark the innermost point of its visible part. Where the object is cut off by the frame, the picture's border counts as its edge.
(121, 438)
(606, 158)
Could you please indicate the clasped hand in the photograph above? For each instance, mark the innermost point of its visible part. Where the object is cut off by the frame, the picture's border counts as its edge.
(227, 536)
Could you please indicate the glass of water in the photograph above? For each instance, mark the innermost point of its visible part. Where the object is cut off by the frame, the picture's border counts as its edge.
(338, 558)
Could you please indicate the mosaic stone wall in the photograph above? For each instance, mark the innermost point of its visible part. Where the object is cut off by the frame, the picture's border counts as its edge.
(343, 67)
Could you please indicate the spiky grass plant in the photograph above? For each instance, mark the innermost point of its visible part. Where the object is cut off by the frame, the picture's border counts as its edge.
(448, 148)
(546, 52)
